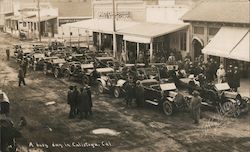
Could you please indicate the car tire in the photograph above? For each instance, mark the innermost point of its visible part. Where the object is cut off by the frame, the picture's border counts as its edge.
(228, 109)
(167, 108)
(67, 74)
(100, 87)
(117, 92)
(56, 73)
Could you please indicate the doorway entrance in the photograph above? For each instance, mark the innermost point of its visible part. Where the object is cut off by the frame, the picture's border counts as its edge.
(198, 46)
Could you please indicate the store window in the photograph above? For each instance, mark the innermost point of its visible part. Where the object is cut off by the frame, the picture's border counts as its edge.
(198, 30)
(213, 31)
(183, 41)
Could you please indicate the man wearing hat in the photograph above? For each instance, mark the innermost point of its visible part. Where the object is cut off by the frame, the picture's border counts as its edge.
(8, 54)
(229, 75)
(129, 92)
(21, 76)
(72, 102)
(236, 79)
(195, 107)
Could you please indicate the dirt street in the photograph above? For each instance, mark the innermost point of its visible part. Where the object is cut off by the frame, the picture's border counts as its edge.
(139, 129)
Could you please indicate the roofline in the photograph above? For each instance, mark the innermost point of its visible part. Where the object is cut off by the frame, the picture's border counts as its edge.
(158, 35)
(221, 22)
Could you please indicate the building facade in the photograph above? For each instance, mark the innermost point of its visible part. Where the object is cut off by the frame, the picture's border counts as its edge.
(220, 34)
(6, 9)
(125, 9)
(25, 20)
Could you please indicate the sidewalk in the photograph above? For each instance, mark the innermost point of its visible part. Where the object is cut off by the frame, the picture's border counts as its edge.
(244, 89)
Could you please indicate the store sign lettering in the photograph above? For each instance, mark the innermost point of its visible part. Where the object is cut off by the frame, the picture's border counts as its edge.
(108, 15)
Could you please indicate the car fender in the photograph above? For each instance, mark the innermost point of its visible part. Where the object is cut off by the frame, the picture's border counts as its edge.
(170, 99)
(232, 100)
(120, 83)
(102, 81)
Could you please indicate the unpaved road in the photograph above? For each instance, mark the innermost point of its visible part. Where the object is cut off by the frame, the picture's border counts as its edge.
(141, 130)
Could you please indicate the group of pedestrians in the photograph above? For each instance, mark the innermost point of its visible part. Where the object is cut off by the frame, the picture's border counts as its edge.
(80, 102)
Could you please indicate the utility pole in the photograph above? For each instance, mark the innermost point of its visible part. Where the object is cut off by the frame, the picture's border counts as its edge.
(39, 20)
(114, 30)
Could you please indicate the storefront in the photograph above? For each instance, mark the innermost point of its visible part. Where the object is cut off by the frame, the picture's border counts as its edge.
(224, 38)
(154, 41)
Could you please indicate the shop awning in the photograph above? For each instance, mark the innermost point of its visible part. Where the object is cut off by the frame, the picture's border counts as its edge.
(242, 50)
(42, 18)
(136, 39)
(100, 25)
(226, 41)
(150, 30)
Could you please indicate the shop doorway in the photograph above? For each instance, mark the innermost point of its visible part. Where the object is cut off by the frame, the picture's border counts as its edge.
(198, 46)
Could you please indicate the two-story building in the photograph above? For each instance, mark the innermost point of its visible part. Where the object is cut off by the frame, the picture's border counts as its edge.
(220, 29)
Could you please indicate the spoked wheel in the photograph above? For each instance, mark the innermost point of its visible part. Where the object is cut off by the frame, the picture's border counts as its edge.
(117, 92)
(56, 73)
(100, 87)
(167, 108)
(67, 74)
(228, 109)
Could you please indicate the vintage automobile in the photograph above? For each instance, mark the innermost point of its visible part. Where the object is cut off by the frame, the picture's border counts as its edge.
(220, 97)
(165, 96)
(108, 82)
(102, 76)
(53, 65)
(102, 62)
(37, 61)
(72, 70)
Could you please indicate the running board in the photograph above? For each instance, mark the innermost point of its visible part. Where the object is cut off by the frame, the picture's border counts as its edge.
(152, 102)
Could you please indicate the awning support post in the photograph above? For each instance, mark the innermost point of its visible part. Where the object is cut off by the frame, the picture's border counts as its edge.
(114, 45)
(137, 50)
(126, 53)
(151, 52)
(99, 41)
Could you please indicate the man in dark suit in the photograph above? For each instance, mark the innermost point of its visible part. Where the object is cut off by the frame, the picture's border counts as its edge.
(195, 107)
(71, 99)
(236, 79)
(83, 103)
(21, 76)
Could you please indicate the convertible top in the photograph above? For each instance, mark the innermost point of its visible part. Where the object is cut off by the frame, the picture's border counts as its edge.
(105, 70)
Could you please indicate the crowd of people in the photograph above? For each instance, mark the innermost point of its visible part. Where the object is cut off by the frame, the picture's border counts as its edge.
(80, 102)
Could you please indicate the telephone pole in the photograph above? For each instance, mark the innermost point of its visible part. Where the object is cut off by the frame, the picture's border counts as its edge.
(39, 20)
(114, 30)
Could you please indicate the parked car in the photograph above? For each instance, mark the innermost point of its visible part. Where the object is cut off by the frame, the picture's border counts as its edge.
(102, 62)
(37, 61)
(109, 82)
(53, 66)
(164, 96)
(220, 96)
(72, 70)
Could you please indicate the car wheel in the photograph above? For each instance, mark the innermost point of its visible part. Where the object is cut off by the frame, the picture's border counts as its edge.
(56, 73)
(228, 109)
(67, 74)
(100, 88)
(117, 92)
(167, 108)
